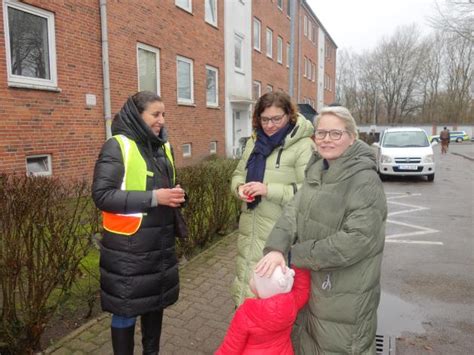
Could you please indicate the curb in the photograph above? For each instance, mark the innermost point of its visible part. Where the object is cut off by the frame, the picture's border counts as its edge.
(104, 315)
(74, 333)
(464, 156)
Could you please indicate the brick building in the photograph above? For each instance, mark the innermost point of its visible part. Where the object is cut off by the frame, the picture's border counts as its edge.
(67, 66)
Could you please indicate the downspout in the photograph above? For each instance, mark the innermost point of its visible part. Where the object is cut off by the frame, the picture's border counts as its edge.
(299, 53)
(291, 84)
(105, 69)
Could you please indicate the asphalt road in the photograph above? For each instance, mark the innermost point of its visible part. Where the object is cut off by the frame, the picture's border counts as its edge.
(428, 265)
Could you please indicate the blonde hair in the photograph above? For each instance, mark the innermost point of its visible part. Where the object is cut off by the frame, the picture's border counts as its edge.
(343, 114)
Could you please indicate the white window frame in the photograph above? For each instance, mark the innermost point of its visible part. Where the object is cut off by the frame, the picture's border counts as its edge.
(269, 88)
(287, 55)
(257, 45)
(23, 81)
(185, 101)
(280, 4)
(216, 102)
(269, 42)
(213, 147)
(279, 50)
(157, 63)
(314, 72)
(239, 37)
(49, 172)
(188, 8)
(305, 26)
(259, 85)
(305, 65)
(310, 68)
(187, 150)
(206, 17)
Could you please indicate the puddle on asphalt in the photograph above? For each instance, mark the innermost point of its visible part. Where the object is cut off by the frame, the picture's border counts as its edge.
(396, 316)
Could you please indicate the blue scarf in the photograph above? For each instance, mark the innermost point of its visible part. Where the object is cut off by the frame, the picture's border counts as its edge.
(256, 163)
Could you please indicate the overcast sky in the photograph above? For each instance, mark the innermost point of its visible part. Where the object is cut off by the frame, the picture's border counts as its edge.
(360, 24)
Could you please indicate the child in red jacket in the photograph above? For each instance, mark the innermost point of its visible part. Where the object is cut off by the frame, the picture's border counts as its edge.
(263, 325)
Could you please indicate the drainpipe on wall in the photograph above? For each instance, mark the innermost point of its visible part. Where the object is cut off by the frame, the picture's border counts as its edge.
(291, 88)
(105, 68)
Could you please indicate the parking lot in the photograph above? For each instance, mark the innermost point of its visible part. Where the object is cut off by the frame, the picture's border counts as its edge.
(428, 267)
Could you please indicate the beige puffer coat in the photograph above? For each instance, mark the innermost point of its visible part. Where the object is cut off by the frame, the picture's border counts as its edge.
(284, 173)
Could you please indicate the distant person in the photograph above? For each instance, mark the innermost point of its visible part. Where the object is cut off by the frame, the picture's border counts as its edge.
(134, 185)
(262, 325)
(445, 138)
(267, 177)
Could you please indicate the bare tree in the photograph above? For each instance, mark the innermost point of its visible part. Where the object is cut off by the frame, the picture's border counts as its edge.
(396, 64)
(455, 16)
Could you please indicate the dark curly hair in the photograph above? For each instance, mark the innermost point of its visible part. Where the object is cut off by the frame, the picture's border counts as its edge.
(274, 98)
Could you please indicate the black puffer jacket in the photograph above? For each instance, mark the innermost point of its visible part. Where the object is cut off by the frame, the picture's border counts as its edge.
(138, 273)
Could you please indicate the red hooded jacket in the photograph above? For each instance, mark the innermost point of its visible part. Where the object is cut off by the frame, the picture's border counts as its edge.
(263, 326)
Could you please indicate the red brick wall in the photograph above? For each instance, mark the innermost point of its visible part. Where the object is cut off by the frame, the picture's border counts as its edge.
(42, 122)
(330, 69)
(309, 50)
(163, 25)
(264, 69)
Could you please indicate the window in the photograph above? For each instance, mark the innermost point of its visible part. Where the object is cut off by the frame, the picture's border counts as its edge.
(305, 73)
(269, 43)
(314, 34)
(148, 68)
(213, 147)
(186, 147)
(287, 55)
(185, 5)
(288, 8)
(37, 165)
(310, 67)
(279, 49)
(314, 72)
(257, 90)
(212, 94)
(30, 46)
(185, 80)
(238, 48)
(310, 31)
(257, 28)
(305, 25)
(280, 4)
(211, 12)
(269, 88)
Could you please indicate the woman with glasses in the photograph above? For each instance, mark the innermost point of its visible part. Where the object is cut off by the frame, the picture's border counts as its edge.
(267, 177)
(335, 226)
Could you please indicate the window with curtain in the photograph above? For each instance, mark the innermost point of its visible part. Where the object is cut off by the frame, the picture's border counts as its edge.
(185, 80)
(211, 12)
(212, 92)
(148, 68)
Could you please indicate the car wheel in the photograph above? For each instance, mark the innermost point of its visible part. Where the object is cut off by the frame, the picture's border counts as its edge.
(430, 177)
(458, 140)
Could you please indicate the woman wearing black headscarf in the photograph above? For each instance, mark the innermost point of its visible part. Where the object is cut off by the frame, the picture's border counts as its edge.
(134, 186)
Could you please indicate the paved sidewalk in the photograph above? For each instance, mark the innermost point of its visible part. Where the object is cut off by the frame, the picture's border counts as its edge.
(195, 325)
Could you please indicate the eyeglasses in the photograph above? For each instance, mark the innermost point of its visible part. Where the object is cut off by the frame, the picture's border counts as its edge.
(275, 119)
(334, 134)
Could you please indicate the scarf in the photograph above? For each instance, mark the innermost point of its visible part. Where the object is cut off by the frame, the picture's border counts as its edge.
(256, 163)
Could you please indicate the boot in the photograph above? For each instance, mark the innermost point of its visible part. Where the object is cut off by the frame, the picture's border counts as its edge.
(151, 332)
(122, 340)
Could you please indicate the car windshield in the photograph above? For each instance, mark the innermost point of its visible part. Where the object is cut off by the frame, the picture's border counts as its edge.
(404, 139)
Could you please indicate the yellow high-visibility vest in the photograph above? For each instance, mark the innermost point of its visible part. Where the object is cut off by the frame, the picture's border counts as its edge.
(134, 179)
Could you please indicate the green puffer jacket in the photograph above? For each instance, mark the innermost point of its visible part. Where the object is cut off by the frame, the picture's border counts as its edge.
(337, 221)
(284, 174)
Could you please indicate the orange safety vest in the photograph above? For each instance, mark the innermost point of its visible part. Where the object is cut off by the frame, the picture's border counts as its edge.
(134, 179)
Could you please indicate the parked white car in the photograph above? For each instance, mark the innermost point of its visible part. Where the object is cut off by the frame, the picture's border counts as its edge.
(404, 152)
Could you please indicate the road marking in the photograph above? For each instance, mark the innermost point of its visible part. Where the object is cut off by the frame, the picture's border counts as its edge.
(401, 241)
(410, 208)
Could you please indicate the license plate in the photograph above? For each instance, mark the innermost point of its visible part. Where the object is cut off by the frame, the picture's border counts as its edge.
(408, 167)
